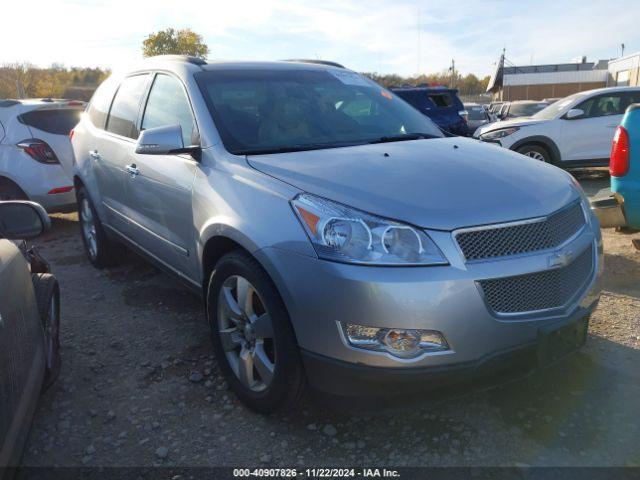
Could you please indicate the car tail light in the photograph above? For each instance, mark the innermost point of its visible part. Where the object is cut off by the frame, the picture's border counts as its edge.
(619, 163)
(55, 191)
(39, 150)
(464, 114)
(71, 134)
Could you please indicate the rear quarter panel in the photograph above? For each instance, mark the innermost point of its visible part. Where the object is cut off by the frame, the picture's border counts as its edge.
(629, 185)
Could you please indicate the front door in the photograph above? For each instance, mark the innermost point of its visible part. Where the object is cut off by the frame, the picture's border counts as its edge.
(589, 136)
(162, 219)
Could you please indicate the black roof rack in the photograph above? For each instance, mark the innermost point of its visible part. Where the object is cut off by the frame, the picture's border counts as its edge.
(317, 62)
(9, 103)
(181, 58)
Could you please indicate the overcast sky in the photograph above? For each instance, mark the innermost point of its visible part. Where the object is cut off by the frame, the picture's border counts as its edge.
(387, 36)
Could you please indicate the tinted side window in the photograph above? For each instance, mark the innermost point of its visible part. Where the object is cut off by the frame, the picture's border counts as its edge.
(100, 102)
(441, 100)
(58, 122)
(168, 105)
(124, 110)
(602, 105)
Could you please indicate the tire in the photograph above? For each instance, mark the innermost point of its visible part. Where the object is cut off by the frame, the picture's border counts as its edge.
(47, 293)
(10, 191)
(101, 250)
(283, 385)
(537, 152)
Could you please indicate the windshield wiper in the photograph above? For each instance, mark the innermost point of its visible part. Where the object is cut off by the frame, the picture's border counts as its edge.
(294, 148)
(402, 138)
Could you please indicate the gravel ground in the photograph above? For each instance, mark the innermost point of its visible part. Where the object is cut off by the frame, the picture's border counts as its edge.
(140, 387)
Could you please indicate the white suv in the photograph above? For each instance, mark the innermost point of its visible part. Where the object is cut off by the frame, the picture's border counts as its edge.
(573, 132)
(35, 151)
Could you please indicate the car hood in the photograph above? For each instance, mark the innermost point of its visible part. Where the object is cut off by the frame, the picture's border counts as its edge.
(442, 184)
(514, 122)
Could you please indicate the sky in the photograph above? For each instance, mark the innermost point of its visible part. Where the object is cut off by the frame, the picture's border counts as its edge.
(385, 36)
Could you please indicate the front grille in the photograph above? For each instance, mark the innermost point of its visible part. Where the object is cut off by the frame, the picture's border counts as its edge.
(548, 232)
(538, 291)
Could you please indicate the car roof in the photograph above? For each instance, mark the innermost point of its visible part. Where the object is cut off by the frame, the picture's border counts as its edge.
(527, 102)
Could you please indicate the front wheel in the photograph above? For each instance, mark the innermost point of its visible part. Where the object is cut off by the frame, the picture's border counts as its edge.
(252, 336)
(47, 293)
(536, 152)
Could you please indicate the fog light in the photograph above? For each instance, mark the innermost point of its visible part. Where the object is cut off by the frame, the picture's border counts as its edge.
(403, 343)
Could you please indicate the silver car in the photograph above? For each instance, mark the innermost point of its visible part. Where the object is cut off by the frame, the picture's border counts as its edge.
(29, 326)
(337, 238)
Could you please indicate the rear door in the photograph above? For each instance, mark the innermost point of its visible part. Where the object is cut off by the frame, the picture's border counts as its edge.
(53, 125)
(589, 136)
(162, 214)
(114, 149)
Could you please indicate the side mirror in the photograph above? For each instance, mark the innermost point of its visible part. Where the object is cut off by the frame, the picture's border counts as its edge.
(21, 220)
(163, 141)
(574, 113)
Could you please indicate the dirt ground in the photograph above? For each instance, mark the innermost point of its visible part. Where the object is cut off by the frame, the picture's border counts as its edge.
(139, 387)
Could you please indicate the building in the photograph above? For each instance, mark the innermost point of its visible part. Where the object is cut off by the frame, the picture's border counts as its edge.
(625, 71)
(537, 82)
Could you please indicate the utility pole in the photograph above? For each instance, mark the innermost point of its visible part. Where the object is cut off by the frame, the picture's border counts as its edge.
(453, 72)
(622, 49)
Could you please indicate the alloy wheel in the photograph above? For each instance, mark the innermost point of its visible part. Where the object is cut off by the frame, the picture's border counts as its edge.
(246, 333)
(535, 155)
(89, 228)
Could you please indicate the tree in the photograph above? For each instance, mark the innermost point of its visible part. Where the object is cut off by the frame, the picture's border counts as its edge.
(177, 42)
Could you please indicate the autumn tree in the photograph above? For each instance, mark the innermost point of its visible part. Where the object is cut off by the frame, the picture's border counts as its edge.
(177, 42)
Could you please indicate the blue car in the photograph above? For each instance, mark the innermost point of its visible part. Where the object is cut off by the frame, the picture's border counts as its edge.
(622, 207)
(440, 104)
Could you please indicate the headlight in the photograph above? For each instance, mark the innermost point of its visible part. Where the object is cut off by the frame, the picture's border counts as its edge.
(343, 234)
(497, 134)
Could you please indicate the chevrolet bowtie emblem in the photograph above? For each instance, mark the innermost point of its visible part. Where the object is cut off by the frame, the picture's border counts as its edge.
(560, 259)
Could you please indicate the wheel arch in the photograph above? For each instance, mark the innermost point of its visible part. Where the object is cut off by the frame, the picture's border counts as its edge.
(543, 141)
(7, 180)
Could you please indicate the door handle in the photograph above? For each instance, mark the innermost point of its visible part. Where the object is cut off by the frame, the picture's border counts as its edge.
(612, 125)
(94, 154)
(132, 170)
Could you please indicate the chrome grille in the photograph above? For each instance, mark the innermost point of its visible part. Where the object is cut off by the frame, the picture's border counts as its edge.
(502, 241)
(538, 291)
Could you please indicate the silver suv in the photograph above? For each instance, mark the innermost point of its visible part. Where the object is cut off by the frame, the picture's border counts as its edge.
(338, 239)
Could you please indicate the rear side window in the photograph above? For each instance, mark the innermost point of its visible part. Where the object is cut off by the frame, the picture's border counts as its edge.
(168, 105)
(124, 110)
(98, 108)
(441, 100)
(58, 122)
(476, 113)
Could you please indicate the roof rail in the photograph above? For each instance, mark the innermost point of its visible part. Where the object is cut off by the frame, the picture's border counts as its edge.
(9, 103)
(317, 62)
(180, 58)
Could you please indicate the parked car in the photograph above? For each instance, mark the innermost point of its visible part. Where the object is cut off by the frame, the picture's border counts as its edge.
(622, 206)
(337, 236)
(494, 107)
(35, 150)
(29, 325)
(521, 108)
(477, 116)
(573, 132)
(440, 104)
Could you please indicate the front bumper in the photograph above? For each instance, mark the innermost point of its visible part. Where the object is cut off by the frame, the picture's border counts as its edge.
(321, 294)
(338, 378)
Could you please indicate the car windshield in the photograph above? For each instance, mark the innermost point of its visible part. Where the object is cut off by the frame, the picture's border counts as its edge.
(553, 110)
(277, 110)
(525, 109)
(475, 112)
